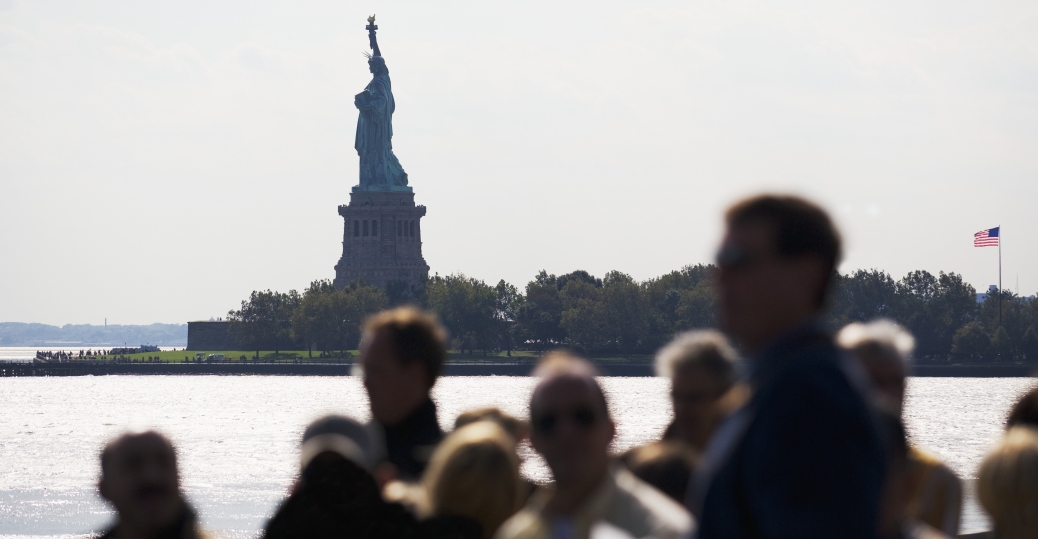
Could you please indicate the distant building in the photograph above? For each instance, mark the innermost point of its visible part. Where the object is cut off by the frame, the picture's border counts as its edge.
(210, 335)
(982, 296)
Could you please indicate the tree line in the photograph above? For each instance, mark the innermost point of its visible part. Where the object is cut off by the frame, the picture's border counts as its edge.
(617, 315)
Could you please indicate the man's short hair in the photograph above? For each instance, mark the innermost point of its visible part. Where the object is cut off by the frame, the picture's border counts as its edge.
(109, 450)
(877, 341)
(705, 350)
(801, 227)
(416, 336)
(1024, 412)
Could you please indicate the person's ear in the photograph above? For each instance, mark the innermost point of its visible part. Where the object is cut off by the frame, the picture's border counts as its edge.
(612, 430)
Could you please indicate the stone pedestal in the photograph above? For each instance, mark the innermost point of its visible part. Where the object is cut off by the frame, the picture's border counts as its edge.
(382, 241)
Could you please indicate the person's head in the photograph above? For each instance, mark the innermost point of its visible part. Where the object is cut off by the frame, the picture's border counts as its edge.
(377, 65)
(570, 422)
(339, 436)
(897, 491)
(668, 466)
(701, 368)
(518, 429)
(775, 266)
(1007, 485)
(139, 478)
(402, 352)
(1025, 411)
(474, 473)
(884, 349)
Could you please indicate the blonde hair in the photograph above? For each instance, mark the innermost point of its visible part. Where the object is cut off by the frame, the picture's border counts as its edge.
(708, 350)
(1007, 485)
(878, 340)
(474, 473)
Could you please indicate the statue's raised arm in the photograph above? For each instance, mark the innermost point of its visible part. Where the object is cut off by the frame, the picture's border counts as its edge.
(379, 168)
(372, 40)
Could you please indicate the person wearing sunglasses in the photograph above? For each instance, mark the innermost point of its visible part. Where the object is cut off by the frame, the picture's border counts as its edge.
(803, 457)
(572, 429)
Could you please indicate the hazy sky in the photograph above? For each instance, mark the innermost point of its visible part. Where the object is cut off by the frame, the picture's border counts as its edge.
(159, 161)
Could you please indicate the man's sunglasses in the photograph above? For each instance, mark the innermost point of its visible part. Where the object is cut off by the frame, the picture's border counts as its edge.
(583, 418)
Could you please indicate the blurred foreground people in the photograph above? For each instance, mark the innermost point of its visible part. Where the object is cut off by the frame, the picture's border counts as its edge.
(572, 430)
(701, 368)
(884, 350)
(803, 458)
(1007, 485)
(895, 522)
(402, 353)
(666, 465)
(472, 484)
(1024, 412)
(139, 477)
(518, 429)
(336, 495)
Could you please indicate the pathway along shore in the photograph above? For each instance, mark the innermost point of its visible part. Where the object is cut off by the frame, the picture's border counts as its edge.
(451, 369)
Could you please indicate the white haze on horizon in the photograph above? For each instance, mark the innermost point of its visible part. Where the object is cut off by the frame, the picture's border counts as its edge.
(159, 162)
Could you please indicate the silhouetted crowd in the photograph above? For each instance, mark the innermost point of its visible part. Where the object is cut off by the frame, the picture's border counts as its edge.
(789, 430)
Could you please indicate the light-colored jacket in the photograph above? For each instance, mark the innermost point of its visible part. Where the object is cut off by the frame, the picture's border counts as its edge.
(622, 500)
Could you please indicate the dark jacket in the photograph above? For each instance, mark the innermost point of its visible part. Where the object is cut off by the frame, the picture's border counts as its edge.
(804, 458)
(338, 499)
(410, 443)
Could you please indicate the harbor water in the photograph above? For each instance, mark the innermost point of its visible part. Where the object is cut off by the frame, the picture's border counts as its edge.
(238, 435)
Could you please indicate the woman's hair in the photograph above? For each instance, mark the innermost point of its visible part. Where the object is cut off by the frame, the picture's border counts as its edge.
(474, 473)
(1007, 485)
(519, 429)
(706, 350)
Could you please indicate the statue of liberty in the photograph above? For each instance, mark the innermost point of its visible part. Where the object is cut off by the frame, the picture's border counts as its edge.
(379, 168)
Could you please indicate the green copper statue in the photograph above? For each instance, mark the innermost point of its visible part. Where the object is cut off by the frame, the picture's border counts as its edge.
(379, 168)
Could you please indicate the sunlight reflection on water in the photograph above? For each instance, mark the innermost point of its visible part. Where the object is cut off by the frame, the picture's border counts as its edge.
(238, 435)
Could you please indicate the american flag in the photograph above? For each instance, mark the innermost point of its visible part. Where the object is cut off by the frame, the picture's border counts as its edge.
(986, 238)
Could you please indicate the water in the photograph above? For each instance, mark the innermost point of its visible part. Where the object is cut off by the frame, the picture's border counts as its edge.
(238, 435)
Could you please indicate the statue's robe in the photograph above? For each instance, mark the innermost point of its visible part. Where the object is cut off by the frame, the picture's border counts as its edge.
(379, 168)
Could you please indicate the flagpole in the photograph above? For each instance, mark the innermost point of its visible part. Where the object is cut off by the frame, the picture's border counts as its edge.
(999, 275)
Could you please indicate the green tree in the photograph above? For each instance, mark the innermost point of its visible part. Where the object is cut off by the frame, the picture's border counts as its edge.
(467, 308)
(539, 319)
(971, 339)
(310, 320)
(507, 303)
(863, 295)
(933, 308)
(1000, 342)
(626, 311)
(265, 319)
(583, 316)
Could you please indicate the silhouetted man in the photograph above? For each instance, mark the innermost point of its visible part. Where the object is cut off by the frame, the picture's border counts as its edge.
(139, 478)
(402, 353)
(803, 458)
(572, 430)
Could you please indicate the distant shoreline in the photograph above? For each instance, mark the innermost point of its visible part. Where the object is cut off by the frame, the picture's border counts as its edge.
(451, 369)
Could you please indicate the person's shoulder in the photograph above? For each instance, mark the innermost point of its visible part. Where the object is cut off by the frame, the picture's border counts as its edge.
(919, 530)
(641, 500)
(526, 524)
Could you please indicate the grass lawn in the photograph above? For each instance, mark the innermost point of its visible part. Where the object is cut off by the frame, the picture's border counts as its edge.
(177, 356)
(453, 356)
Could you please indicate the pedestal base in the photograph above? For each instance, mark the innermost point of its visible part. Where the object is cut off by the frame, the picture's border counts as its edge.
(382, 242)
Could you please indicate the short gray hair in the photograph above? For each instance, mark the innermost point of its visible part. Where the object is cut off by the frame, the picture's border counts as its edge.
(879, 340)
(708, 350)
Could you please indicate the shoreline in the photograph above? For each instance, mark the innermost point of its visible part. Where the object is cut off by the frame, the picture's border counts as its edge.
(450, 369)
